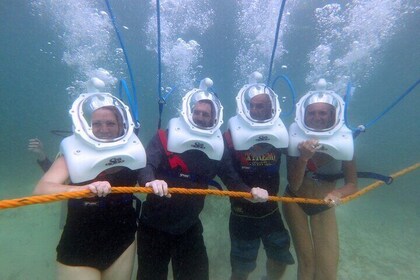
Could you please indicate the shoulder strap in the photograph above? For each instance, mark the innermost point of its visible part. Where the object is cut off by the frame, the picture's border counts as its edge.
(174, 160)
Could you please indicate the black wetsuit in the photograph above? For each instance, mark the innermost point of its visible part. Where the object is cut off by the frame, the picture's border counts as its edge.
(170, 228)
(258, 167)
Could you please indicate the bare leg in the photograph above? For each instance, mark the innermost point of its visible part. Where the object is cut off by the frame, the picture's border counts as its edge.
(122, 268)
(65, 272)
(297, 221)
(325, 237)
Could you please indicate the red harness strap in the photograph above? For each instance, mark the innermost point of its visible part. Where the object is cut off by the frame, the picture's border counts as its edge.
(174, 160)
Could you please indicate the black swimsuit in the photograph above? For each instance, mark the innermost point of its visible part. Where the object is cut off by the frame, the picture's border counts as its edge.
(325, 173)
(99, 230)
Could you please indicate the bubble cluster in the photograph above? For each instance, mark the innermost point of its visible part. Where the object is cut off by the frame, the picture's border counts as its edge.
(256, 22)
(87, 36)
(179, 20)
(351, 37)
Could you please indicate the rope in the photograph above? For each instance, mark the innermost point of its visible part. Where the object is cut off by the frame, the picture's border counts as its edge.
(379, 183)
(29, 200)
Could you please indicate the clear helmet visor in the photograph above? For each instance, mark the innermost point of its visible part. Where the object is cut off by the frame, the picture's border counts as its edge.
(322, 111)
(259, 103)
(203, 110)
(103, 117)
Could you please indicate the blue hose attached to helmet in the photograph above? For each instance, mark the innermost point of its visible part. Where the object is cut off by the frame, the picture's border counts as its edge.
(292, 90)
(362, 128)
(132, 98)
(132, 102)
(275, 40)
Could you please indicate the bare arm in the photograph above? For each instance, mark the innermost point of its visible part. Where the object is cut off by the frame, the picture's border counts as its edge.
(350, 183)
(54, 181)
(296, 166)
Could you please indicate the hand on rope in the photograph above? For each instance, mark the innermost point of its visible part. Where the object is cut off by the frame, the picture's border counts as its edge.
(258, 195)
(100, 188)
(332, 199)
(12, 203)
(159, 187)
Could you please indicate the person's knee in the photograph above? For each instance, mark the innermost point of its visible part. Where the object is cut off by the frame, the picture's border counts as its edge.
(277, 248)
(242, 266)
(239, 275)
(243, 256)
(275, 269)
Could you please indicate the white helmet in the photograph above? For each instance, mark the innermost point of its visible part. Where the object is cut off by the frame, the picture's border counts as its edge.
(320, 96)
(194, 97)
(82, 111)
(251, 90)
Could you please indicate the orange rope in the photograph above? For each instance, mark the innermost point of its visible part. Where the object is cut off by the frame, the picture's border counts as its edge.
(379, 183)
(29, 200)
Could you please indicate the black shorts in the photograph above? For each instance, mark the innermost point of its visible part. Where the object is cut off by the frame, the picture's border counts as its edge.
(246, 234)
(186, 251)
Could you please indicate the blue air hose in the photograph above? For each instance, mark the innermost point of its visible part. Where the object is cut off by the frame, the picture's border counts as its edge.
(292, 90)
(133, 103)
(275, 40)
(161, 100)
(361, 128)
(393, 104)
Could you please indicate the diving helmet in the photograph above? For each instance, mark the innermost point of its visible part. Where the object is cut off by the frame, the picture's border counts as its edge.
(258, 117)
(322, 96)
(257, 103)
(325, 123)
(198, 127)
(103, 138)
(83, 111)
(201, 109)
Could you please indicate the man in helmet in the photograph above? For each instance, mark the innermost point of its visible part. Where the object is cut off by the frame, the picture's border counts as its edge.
(189, 154)
(255, 139)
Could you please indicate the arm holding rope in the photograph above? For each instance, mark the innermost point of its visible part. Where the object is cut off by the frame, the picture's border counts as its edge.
(54, 180)
(233, 182)
(155, 156)
(350, 184)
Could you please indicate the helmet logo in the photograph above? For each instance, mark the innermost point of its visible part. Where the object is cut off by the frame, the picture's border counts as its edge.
(262, 138)
(198, 145)
(114, 161)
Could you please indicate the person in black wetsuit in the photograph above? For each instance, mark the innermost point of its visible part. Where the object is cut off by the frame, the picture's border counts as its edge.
(98, 240)
(189, 155)
(258, 163)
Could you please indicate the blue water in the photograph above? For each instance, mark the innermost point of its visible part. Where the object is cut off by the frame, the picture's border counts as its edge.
(51, 48)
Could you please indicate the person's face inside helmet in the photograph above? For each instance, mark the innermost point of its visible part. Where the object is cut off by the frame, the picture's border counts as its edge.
(202, 114)
(106, 124)
(320, 116)
(260, 107)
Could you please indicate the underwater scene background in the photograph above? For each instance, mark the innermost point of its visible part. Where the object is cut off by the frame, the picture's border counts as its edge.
(50, 48)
